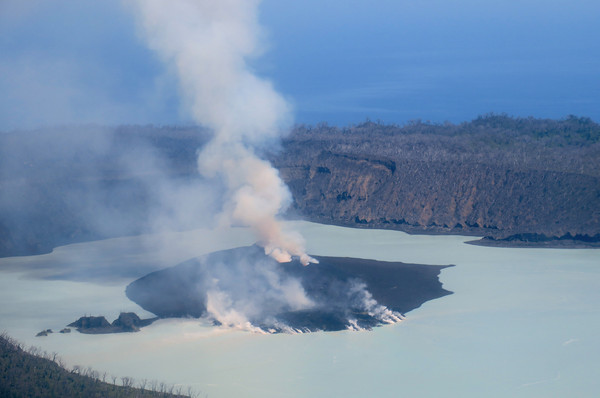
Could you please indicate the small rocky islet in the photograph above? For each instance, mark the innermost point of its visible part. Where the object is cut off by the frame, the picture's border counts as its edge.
(127, 322)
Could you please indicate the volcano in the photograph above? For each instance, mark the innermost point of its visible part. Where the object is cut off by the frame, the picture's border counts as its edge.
(245, 288)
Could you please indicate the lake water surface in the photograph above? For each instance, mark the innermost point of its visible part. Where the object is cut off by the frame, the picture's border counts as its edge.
(521, 322)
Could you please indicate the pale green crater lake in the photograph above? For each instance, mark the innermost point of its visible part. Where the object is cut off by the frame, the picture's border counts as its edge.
(521, 322)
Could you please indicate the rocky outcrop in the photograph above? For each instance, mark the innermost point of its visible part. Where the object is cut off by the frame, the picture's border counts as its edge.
(90, 322)
(126, 322)
(130, 322)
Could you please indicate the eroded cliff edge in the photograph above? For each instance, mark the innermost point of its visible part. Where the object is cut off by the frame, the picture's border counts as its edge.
(516, 181)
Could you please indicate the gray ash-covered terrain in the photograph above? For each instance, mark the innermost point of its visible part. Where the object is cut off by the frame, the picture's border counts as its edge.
(245, 288)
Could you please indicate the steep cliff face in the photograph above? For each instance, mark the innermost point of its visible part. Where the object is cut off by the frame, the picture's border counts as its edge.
(439, 183)
(442, 197)
(516, 179)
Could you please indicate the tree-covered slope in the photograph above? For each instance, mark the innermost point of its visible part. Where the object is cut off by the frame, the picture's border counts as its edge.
(31, 375)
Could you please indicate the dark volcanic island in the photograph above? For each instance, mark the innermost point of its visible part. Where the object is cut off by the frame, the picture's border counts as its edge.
(245, 288)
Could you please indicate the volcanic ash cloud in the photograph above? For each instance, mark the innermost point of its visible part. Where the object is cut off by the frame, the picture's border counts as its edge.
(208, 44)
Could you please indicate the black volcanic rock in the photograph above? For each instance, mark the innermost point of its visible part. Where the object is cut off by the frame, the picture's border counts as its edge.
(126, 322)
(90, 322)
(336, 294)
(44, 333)
(130, 322)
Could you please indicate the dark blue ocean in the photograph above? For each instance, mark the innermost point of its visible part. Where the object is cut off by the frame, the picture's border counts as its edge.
(336, 61)
(342, 62)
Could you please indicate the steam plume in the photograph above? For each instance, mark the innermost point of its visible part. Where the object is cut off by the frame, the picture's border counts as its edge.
(208, 44)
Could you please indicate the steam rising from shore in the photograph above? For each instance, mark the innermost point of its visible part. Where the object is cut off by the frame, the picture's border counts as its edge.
(208, 44)
(244, 289)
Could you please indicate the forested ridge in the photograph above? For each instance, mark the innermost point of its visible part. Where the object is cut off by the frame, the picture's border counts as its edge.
(518, 179)
(32, 373)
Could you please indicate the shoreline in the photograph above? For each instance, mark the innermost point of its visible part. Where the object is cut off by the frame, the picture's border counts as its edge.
(551, 244)
(480, 239)
(478, 322)
(510, 242)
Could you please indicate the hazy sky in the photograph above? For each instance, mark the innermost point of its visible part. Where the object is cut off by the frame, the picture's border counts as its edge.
(66, 61)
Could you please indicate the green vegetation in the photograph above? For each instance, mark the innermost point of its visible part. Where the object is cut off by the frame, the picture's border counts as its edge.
(33, 373)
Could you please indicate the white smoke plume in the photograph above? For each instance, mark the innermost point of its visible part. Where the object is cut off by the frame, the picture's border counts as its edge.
(208, 44)
(360, 297)
(246, 293)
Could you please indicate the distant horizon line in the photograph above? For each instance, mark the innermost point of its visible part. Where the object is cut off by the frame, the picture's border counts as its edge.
(297, 124)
